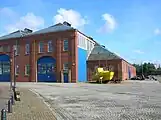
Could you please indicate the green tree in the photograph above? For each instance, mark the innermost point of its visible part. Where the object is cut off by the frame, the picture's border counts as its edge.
(147, 68)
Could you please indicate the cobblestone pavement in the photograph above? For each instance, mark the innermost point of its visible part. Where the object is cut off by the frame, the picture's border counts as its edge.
(30, 108)
(127, 101)
(4, 96)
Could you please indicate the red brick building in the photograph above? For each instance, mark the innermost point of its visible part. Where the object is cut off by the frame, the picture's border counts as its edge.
(101, 57)
(54, 54)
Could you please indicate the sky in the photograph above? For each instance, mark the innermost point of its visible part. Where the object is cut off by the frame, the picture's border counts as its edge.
(129, 28)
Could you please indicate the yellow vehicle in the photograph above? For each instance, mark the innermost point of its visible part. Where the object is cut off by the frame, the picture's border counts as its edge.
(102, 76)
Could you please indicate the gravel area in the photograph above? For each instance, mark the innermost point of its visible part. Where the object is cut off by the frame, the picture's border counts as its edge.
(131, 100)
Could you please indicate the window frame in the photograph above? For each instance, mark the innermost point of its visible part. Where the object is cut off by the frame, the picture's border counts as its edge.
(64, 66)
(6, 48)
(64, 46)
(50, 68)
(41, 69)
(17, 70)
(27, 74)
(27, 49)
(5, 66)
(41, 42)
(50, 46)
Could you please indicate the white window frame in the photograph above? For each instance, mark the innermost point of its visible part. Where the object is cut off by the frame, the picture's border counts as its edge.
(40, 47)
(27, 49)
(26, 69)
(50, 45)
(66, 67)
(17, 70)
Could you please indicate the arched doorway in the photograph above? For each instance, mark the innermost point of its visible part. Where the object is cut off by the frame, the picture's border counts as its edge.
(4, 68)
(46, 69)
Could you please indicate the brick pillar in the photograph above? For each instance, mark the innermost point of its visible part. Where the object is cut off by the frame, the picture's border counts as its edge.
(74, 59)
(69, 76)
(58, 59)
(62, 76)
(33, 62)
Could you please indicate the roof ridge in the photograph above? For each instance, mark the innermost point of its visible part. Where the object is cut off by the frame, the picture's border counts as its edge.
(58, 24)
(54, 28)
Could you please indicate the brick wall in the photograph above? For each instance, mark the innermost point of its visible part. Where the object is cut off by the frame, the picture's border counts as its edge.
(58, 53)
(115, 66)
(125, 73)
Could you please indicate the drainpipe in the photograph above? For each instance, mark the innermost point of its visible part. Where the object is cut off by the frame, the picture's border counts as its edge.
(35, 61)
(14, 80)
(10, 72)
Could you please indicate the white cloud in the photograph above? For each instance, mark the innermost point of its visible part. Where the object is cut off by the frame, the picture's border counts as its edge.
(110, 23)
(7, 12)
(157, 31)
(138, 51)
(30, 21)
(71, 16)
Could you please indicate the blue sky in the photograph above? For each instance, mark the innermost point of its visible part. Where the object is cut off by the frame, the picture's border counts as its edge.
(130, 28)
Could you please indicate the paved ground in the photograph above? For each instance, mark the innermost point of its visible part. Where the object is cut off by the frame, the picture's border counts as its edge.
(30, 108)
(4, 96)
(127, 101)
(158, 78)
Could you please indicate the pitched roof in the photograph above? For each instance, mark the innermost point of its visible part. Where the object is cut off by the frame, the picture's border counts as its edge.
(55, 28)
(101, 53)
(15, 34)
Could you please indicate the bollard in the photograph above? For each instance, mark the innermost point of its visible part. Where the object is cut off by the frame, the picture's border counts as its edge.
(9, 106)
(3, 114)
(17, 95)
(12, 100)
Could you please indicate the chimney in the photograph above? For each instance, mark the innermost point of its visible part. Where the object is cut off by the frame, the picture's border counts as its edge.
(90, 38)
(66, 23)
(26, 30)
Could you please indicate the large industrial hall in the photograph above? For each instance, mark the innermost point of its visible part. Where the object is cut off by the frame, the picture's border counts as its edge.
(59, 53)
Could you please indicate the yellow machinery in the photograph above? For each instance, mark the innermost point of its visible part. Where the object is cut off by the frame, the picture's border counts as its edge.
(103, 76)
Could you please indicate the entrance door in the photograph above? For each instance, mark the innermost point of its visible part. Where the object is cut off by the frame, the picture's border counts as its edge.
(46, 69)
(4, 68)
(66, 80)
